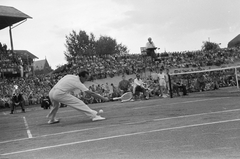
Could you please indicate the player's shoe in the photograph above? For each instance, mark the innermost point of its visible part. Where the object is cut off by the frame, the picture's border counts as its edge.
(97, 118)
(54, 121)
(164, 96)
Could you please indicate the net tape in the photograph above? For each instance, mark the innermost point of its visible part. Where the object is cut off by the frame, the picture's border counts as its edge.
(205, 80)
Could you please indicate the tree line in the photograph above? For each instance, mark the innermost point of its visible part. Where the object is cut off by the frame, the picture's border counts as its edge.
(83, 44)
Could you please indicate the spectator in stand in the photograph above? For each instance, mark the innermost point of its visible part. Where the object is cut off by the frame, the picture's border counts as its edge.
(201, 82)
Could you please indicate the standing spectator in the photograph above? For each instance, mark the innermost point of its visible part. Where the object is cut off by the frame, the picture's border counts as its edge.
(162, 82)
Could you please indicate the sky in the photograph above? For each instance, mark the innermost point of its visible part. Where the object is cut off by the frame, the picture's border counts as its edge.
(173, 25)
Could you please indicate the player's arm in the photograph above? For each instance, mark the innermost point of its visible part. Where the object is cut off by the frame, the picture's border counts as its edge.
(95, 95)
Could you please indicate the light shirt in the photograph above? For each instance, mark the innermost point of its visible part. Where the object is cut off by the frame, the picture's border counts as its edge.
(150, 45)
(161, 76)
(138, 82)
(70, 83)
(154, 75)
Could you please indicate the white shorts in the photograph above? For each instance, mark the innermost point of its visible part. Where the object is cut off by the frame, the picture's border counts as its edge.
(162, 83)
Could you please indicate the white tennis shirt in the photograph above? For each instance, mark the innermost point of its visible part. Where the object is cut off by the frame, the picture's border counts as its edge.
(161, 76)
(70, 83)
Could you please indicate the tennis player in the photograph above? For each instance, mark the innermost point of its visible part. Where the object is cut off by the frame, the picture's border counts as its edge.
(60, 93)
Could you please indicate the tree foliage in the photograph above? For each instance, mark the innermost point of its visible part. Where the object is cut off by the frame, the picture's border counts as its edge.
(83, 44)
(79, 44)
(207, 46)
(106, 45)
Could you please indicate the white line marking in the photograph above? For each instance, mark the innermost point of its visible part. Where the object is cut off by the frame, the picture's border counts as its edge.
(191, 101)
(193, 115)
(3, 142)
(27, 128)
(130, 123)
(118, 136)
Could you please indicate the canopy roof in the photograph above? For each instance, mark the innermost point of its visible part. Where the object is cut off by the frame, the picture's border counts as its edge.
(25, 53)
(234, 42)
(10, 16)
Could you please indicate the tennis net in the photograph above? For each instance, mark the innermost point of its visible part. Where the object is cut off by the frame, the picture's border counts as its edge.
(208, 80)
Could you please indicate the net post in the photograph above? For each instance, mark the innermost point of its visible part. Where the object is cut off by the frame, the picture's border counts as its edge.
(236, 75)
(170, 86)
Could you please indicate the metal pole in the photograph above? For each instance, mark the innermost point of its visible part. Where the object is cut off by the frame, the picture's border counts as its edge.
(11, 40)
(236, 75)
(170, 85)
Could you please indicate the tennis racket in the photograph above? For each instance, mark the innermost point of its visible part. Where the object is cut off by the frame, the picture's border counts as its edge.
(125, 97)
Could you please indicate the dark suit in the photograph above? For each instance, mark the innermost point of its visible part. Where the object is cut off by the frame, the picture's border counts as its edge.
(17, 100)
(45, 102)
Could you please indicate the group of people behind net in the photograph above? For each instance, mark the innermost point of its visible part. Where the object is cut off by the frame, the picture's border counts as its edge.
(155, 85)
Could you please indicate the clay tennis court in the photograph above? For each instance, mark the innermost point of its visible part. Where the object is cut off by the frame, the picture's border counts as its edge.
(200, 125)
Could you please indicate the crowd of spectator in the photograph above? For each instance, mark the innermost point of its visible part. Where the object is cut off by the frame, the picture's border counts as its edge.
(111, 65)
(34, 88)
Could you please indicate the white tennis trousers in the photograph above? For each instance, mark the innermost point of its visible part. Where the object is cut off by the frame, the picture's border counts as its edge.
(58, 96)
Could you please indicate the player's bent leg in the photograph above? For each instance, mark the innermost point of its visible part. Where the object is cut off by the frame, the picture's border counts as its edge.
(53, 112)
(79, 105)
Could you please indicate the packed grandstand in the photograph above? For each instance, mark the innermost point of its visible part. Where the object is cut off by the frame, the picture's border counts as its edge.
(34, 87)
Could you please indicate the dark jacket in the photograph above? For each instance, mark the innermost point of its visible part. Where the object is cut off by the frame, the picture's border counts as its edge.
(17, 98)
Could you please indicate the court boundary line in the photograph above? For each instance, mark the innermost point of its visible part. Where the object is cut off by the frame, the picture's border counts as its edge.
(118, 136)
(130, 123)
(184, 102)
(27, 128)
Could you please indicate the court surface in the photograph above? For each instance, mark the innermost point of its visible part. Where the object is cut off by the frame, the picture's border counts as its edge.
(200, 125)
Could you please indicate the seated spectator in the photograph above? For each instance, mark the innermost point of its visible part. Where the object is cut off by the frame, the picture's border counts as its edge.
(116, 92)
(153, 89)
(178, 86)
(124, 85)
(139, 87)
